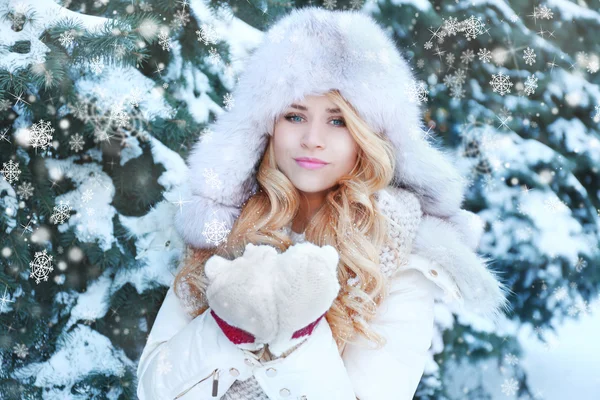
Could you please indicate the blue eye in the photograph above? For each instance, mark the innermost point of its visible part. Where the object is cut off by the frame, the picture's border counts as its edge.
(290, 116)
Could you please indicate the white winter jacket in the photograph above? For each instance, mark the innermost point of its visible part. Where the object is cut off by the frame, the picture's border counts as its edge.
(187, 358)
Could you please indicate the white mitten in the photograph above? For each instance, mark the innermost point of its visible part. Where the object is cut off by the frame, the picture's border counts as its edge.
(263, 297)
(306, 285)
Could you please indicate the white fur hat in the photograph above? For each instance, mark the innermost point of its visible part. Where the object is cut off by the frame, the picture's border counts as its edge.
(309, 52)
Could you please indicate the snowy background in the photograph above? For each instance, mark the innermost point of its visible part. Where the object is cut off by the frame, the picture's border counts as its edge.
(100, 102)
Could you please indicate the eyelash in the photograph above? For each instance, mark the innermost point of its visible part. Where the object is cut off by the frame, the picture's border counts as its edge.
(287, 117)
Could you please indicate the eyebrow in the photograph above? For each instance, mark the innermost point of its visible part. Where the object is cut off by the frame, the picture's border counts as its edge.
(302, 108)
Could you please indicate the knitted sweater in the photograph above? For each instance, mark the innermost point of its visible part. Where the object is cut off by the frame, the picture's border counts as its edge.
(250, 388)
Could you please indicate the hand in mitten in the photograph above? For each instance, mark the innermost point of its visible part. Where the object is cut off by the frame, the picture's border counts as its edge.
(265, 297)
(239, 294)
(306, 285)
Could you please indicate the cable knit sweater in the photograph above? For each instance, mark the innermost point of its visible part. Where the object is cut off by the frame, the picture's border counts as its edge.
(250, 388)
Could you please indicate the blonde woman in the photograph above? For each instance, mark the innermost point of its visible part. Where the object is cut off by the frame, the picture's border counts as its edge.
(342, 227)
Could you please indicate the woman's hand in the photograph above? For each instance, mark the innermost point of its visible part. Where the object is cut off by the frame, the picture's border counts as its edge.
(263, 297)
(305, 287)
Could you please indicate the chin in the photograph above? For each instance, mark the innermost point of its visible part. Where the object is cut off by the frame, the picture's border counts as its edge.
(311, 187)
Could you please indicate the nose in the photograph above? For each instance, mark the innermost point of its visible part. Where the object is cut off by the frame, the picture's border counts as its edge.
(314, 136)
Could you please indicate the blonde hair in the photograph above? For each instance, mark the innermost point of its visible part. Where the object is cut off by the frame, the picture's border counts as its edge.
(349, 220)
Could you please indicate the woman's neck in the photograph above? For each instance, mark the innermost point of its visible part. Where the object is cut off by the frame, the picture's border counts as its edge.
(310, 204)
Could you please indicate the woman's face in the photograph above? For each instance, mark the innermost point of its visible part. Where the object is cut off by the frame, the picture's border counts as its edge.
(309, 129)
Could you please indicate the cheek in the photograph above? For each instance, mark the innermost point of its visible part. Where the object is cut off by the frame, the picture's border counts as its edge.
(350, 150)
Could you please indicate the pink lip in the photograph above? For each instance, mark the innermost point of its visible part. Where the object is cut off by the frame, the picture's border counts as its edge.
(310, 165)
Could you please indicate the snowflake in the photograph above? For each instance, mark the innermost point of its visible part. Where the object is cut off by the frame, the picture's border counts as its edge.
(511, 359)
(460, 76)
(581, 264)
(61, 213)
(41, 266)
(449, 80)
(17, 17)
(582, 307)
(457, 92)
(213, 56)
(514, 18)
(330, 4)
(11, 171)
(484, 55)
(593, 66)
(451, 26)
(510, 386)
(555, 205)
(164, 41)
(467, 56)
(529, 56)
(489, 183)
(181, 17)
(544, 12)
(20, 350)
(120, 50)
(119, 115)
(417, 91)
(87, 195)
(501, 83)
(421, 63)
(597, 108)
(531, 85)
(25, 190)
(473, 27)
(76, 142)
(573, 285)
(66, 38)
(207, 34)
(428, 45)
(41, 134)
(206, 135)
(146, 7)
(5, 105)
(215, 232)
(96, 65)
(523, 234)
(211, 178)
(356, 4)
(164, 366)
(135, 96)
(560, 293)
(229, 101)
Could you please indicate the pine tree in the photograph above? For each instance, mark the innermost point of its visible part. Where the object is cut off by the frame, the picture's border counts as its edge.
(515, 96)
(101, 101)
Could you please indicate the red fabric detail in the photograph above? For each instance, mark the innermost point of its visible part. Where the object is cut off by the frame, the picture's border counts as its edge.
(307, 330)
(235, 335)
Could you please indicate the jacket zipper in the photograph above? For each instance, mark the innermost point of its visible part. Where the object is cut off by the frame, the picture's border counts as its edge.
(215, 384)
(214, 374)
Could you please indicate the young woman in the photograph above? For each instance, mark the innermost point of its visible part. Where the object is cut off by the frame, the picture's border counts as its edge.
(253, 313)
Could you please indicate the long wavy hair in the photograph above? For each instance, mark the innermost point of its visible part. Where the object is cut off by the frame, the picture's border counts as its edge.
(349, 220)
